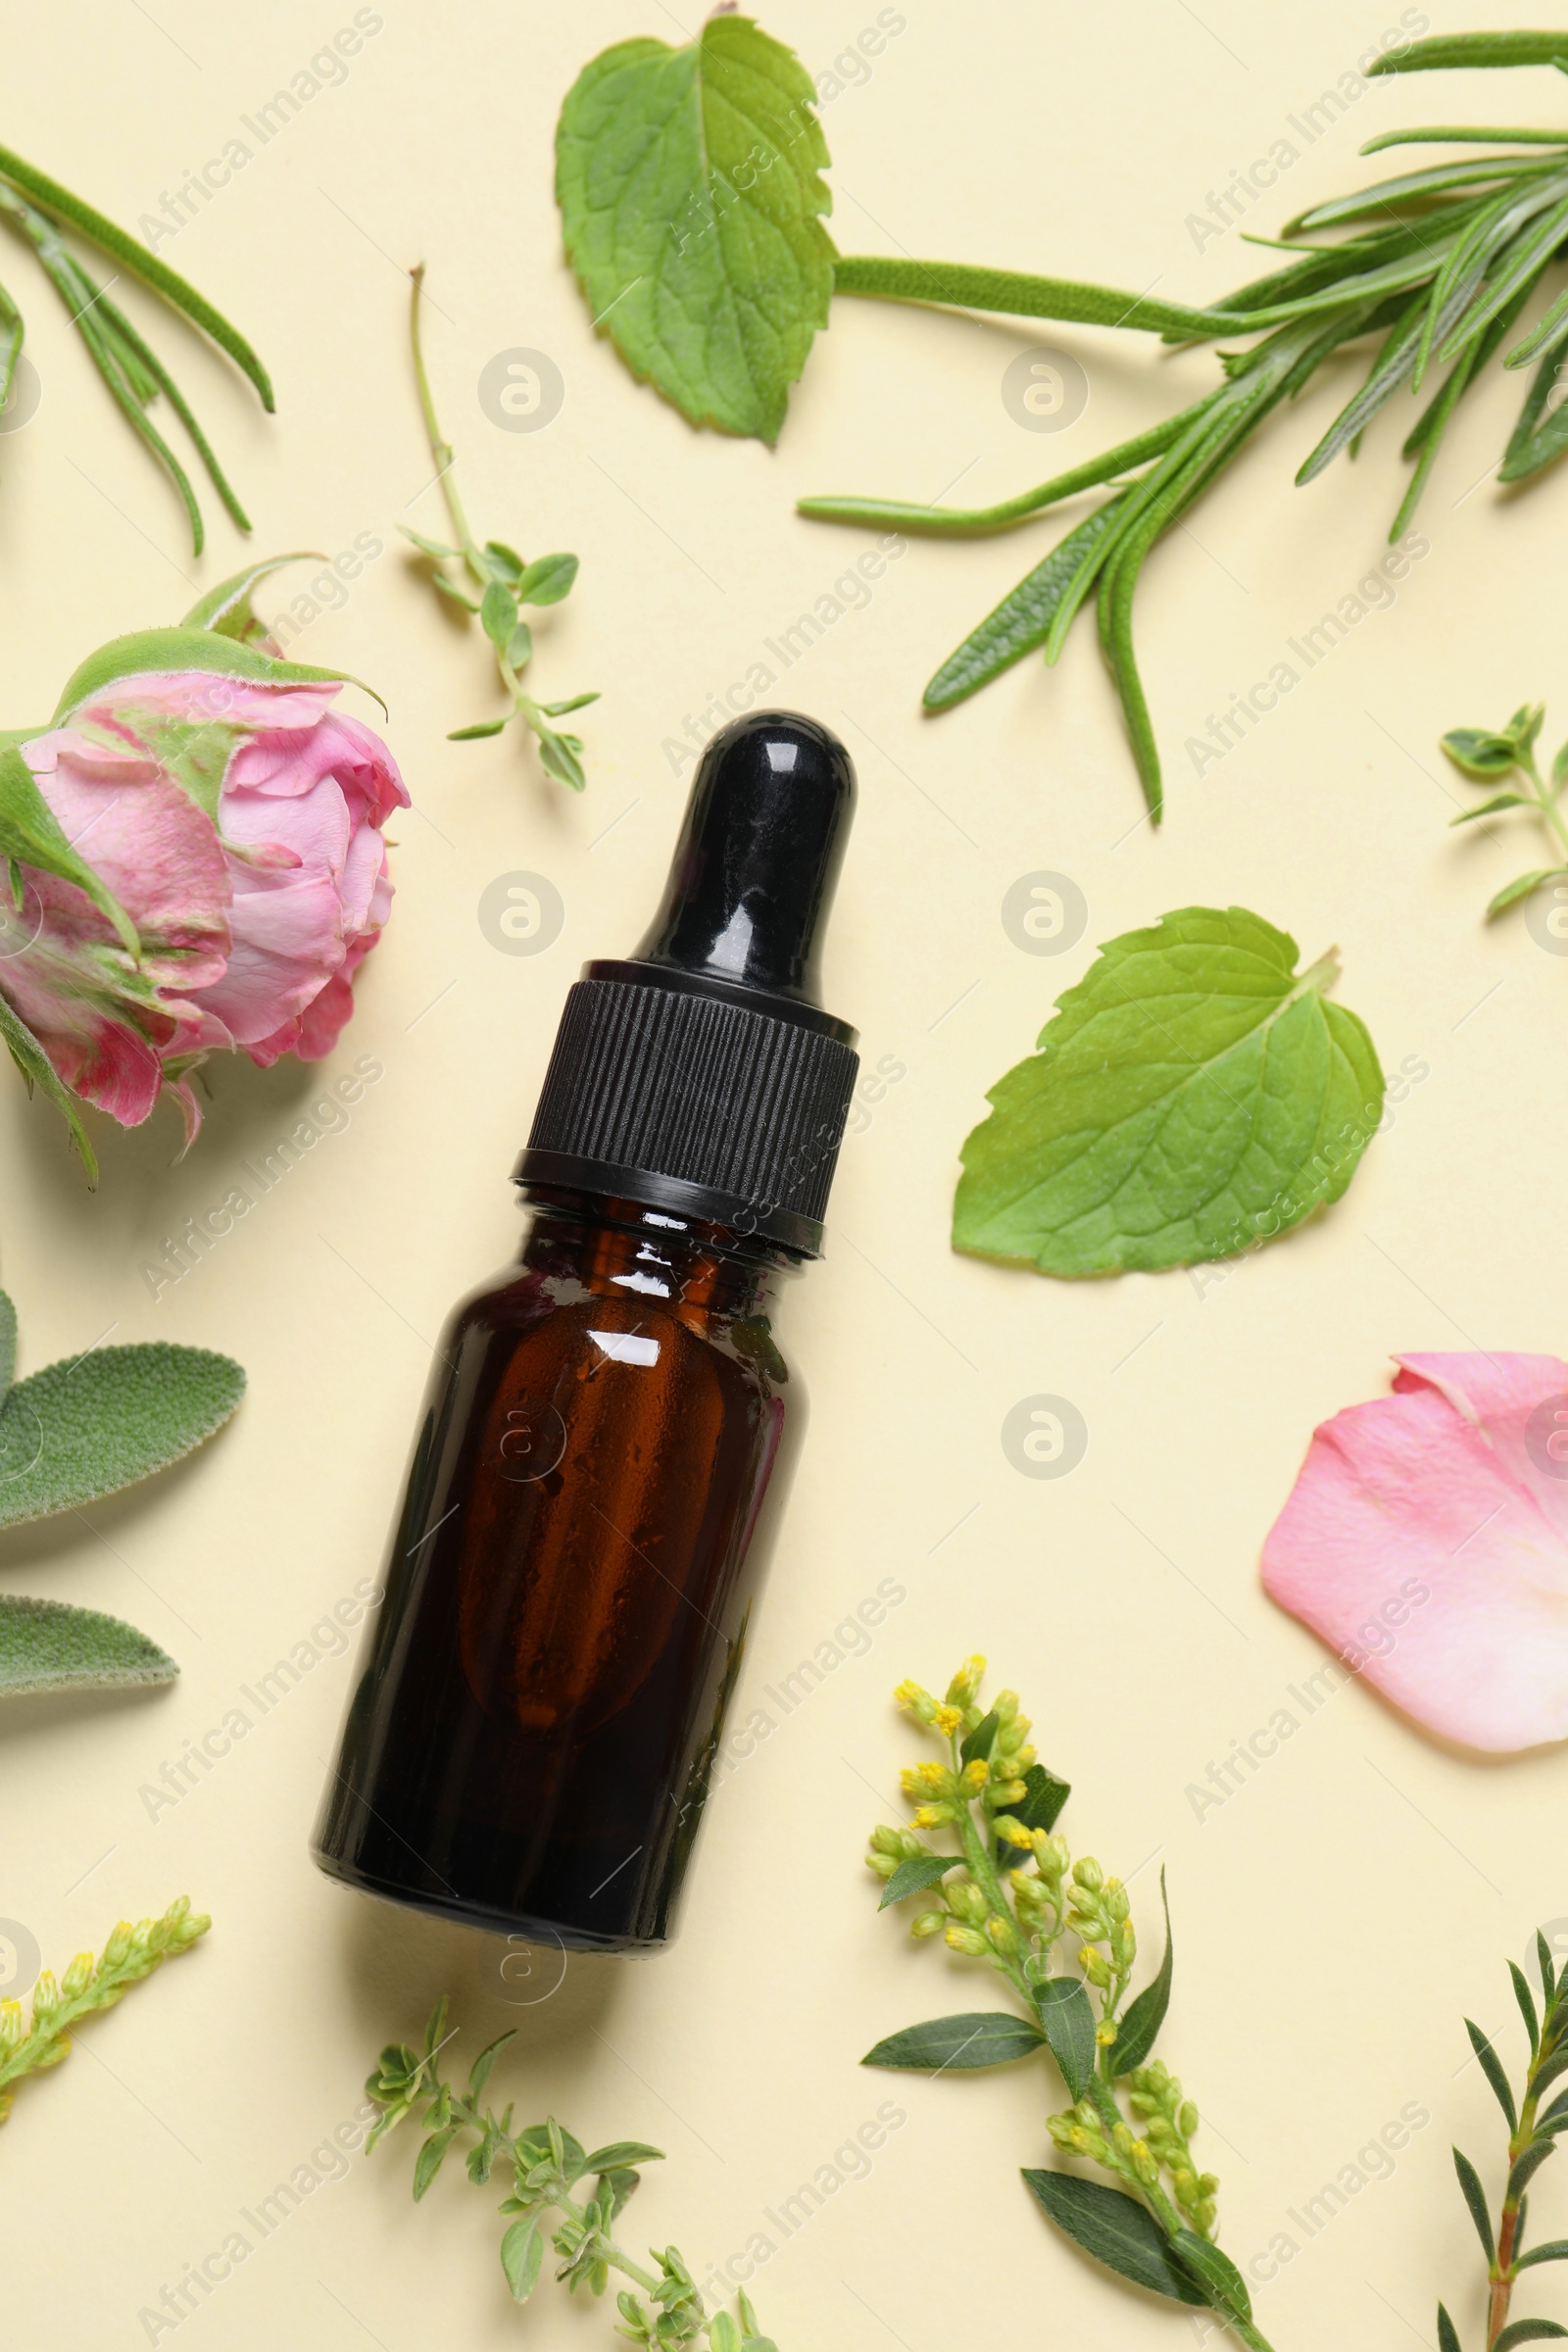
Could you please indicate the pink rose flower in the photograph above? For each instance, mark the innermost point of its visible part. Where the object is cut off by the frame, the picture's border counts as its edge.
(1426, 1540)
(238, 823)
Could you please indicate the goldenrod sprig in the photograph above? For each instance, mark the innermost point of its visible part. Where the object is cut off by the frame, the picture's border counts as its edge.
(87, 1985)
(546, 2164)
(1009, 1895)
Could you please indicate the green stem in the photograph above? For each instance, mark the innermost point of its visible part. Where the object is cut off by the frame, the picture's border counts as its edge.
(1545, 801)
(441, 450)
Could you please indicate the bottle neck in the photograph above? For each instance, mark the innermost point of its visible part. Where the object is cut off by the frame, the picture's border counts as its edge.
(621, 1249)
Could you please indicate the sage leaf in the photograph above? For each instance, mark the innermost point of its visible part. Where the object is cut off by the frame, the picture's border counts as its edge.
(44, 1645)
(1225, 2289)
(984, 2037)
(522, 2252)
(1069, 2024)
(690, 192)
(78, 1430)
(1116, 2230)
(1193, 1094)
(1475, 2196)
(1144, 2017)
(912, 1877)
(8, 1344)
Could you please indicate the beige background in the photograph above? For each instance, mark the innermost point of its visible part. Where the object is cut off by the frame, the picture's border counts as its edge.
(1336, 1919)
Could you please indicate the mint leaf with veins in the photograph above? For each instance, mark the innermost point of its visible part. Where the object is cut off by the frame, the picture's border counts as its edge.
(1192, 1095)
(690, 192)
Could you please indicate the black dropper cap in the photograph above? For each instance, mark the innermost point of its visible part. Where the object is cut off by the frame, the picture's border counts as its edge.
(702, 1076)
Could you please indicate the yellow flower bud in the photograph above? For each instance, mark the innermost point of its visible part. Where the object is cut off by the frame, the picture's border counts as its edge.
(915, 1702)
(1105, 2035)
(929, 1922)
(976, 1773)
(883, 1864)
(1012, 1831)
(1000, 1933)
(960, 1938)
(887, 1841)
(1094, 1966)
(965, 1683)
(1088, 1875)
(932, 1817)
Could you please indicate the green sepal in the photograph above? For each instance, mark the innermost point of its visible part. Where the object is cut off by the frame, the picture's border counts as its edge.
(227, 609)
(39, 1070)
(32, 834)
(146, 652)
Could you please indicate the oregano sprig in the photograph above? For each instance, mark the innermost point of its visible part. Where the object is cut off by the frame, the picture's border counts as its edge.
(30, 2045)
(1007, 1895)
(1532, 2133)
(1492, 756)
(546, 2168)
(507, 585)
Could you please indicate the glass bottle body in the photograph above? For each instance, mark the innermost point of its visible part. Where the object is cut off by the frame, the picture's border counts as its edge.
(603, 1449)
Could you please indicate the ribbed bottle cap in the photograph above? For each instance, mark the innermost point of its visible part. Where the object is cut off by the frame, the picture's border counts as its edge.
(701, 1076)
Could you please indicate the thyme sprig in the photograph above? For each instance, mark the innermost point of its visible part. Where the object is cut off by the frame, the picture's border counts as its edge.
(1436, 263)
(546, 2164)
(1007, 1896)
(1489, 756)
(507, 585)
(1533, 2135)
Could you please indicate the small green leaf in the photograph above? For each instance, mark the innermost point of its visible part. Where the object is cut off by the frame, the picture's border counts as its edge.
(620, 2155)
(1551, 2249)
(480, 727)
(546, 581)
(1527, 2331)
(428, 2162)
(1215, 2273)
(44, 1645)
(983, 2038)
(1480, 753)
(573, 702)
(77, 1430)
(506, 560)
(1043, 1799)
(1447, 2333)
(479, 2072)
(1144, 2016)
(1543, 1947)
(978, 1747)
(1526, 724)
(1472, 49)
(1023, 619)
(1528, 2163)
(558, 757)
(1475, 2197)
(428, 547)
(690, 192)
(1491, 2068)
(1499, 800)
(1069, 2024)
(519, 647)
(227, 609)
(1522, 885)
(1192, 1095)
(1116, 2230)
(522, 2251)
(452, 592)
(1526, 2006)
(912, 1877)
(498, 613)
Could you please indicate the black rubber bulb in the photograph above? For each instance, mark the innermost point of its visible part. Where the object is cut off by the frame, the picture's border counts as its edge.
(758, 857)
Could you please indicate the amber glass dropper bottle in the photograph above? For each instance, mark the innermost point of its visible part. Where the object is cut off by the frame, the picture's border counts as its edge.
(609, 1425)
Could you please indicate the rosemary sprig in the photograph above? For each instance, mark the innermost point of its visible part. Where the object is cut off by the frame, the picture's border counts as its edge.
(1532, 2138)
(42, 210)
(87, 1985)
(506, 584)
(1490, 758)
(545, 2165)
(1006, 1897)
(1438, 264)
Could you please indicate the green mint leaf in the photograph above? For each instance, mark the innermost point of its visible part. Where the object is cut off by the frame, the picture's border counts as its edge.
(44, 1645)
(1224, 2286)
(1116, 2230)
(546, 581)
(914, 1878)
(1499, 800)
(1549, 1978)
(690, 192)
(1522, 885)
(1042, 1801)
(1144, 2017)
(1475, 2196)
(77, 1430)
(227, 609)
(1193, 1094)
(480, 728)
(983, 2038)
(522, 2251)
(498, 613)
(1480, 753)
(1069, 2024)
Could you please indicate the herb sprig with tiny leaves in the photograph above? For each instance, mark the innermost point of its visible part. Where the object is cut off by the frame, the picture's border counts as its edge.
(1006, 1897)
(545, 2165)
(1532, 2138)
(506, 585)
(32, 2046)
(1489, 757)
